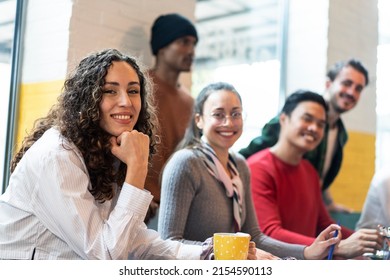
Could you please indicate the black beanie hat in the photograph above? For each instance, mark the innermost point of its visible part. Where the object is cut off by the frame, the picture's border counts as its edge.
(168, 28)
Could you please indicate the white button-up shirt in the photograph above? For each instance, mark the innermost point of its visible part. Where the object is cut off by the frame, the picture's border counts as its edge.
(47, 212)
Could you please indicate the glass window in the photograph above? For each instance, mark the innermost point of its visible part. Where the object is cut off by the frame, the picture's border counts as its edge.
(7, 25)
(239, 44)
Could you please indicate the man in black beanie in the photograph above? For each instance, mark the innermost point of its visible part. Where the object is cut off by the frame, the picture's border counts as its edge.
(168, 28)
(173, 42)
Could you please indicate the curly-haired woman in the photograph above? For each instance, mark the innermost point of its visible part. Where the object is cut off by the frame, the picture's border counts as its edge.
(76, 188)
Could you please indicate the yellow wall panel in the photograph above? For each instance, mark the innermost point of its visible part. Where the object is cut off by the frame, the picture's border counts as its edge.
(34, 102)
(351, 185)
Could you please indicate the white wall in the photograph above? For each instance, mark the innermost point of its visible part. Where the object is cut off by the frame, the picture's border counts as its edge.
(125, 25)
(46, 40)
(59, 33)
(307, 45)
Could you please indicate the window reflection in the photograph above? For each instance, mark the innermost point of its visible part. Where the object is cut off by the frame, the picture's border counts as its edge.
(238, 44)
(7, 25)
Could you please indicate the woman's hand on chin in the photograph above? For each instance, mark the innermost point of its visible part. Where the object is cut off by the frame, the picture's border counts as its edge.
(132, 148)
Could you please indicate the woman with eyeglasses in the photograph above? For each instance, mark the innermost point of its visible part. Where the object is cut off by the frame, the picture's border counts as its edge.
(206, 187)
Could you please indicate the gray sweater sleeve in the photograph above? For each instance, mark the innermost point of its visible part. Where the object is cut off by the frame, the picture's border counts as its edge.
(263, 242)
(178, 188)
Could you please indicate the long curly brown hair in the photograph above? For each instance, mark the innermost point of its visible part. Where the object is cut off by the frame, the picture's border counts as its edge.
(77, 117)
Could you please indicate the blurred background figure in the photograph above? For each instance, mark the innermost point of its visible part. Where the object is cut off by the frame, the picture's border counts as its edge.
(173, 42)
(376, 209)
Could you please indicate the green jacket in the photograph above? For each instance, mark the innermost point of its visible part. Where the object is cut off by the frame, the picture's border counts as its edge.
(269, 137)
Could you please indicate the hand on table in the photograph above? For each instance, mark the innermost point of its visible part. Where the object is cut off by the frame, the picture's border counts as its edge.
(362, 241)
(263, 255)
(320, 247)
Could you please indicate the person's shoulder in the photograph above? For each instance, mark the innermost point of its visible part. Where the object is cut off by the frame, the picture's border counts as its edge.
(52, 140)
(185, 95)
(342, 131)
(306, 163)
(184, 156)
(274, 120)
(384, 171)
(160, 87)
(382, 176)
(308, 167)
(238, 158)
(183, 90)
(185, 161)
(152, 77)
(259, 157)
(241, 163)
(53, 147)
(61, 145)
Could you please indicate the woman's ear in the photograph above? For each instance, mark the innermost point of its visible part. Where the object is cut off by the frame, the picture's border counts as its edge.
(199, 121)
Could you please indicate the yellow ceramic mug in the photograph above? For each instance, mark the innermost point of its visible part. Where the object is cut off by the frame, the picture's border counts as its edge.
(231, 246)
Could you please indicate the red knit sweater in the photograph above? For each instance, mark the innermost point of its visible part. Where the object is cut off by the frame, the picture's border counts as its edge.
(287, 199)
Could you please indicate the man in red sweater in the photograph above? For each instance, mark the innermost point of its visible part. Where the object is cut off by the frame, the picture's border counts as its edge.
(286, 188)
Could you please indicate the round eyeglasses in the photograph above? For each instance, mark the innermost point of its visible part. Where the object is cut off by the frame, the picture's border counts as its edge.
(222, 116)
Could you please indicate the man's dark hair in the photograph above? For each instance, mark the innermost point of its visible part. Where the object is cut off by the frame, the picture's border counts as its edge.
(356, 64)
(302, 96)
